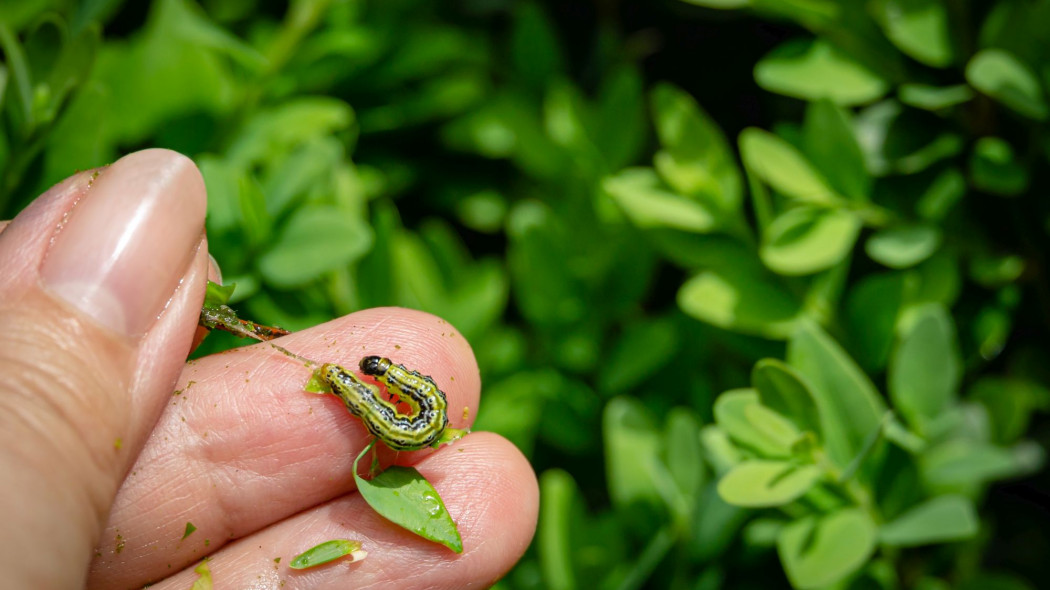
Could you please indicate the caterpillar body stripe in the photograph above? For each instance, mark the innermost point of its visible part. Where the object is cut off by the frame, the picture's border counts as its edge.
(419, 428)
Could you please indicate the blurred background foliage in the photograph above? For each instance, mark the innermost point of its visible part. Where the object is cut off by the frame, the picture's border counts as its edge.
(759, 286)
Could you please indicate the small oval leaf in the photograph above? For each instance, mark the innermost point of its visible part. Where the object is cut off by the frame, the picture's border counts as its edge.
(326, 552)
(764, 484)
(404, 497)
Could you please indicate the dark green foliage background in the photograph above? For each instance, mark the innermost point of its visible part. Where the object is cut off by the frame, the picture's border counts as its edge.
(624, 205)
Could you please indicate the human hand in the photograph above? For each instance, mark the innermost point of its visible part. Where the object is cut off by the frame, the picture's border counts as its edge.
(103, 466)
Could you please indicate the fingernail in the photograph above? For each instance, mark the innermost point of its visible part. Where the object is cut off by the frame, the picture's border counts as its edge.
(127, 242)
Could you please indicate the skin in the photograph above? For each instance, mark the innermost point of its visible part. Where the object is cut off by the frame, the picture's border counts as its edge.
(260, 467)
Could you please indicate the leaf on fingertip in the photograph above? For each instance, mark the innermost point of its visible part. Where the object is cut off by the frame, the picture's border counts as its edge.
(328, 551)
(404, 497)
(204, 581)
(189, 529)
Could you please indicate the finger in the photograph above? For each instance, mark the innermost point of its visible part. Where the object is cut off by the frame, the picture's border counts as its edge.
(488, 488)
(85, 272)
(242, 446)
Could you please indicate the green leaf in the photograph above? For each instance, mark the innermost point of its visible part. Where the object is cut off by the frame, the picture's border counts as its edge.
(816, 69)
(640, 352)
(781, 389)
(938, 520)
(317, 239)
(919, 28)
(751, 425)
(554, 533)
(963, 463)
(642, 197)
(784, 168)
(995, 168)
(216, 295)
(933, 98)
(831, 145)
(850, 408)
(535, 50)
(632, 453)
(404, 497)
(326, 552)
(696, 159)
(277, 130)
(1000, 75)
(926, 368)
(806, 240)
(872, 307)
(818, 551)
(740, 299)
(767, 484)
(903, 246)
(1010, 403)
(943, 193)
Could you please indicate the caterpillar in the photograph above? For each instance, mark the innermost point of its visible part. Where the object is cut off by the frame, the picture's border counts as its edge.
(420, 427)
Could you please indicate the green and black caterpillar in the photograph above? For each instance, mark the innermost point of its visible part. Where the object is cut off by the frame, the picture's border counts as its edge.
(421, 427)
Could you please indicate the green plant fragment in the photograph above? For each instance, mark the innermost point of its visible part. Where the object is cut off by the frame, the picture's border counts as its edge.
(1000, 75)
(326, 552)
(766, 484)
(203, 581)
(807, 240)
(216, 295)
(819, 551)
(942, 519)
(190, 528)
(404, 497)
(903, 246)
(816, 69)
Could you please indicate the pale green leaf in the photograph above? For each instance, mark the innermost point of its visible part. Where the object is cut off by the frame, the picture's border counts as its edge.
(997, 73)
(815, 69)
(784, 168)
(807, 240)
(926, 368)
(941, 519)
(849, 405)
(766, 484)
(818, 551)
(919, 28)
(647, 203)
(903, 246)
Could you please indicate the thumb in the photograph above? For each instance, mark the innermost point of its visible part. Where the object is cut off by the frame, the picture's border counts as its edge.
(101, 281)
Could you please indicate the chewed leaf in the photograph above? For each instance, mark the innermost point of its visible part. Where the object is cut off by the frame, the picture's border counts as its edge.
(404, 497)
(204, 581)
(328, 551)
(217, 295)
(449, 436)
(316, 384)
